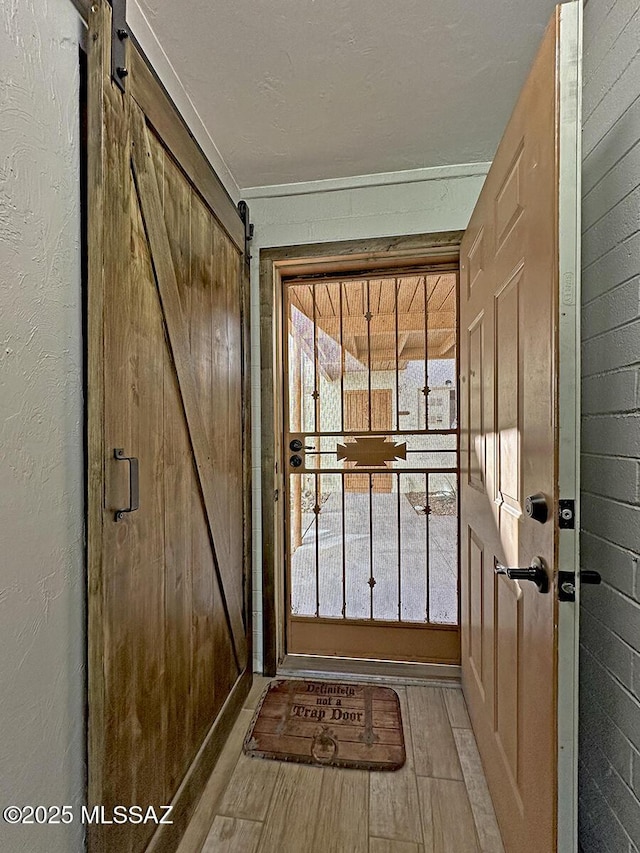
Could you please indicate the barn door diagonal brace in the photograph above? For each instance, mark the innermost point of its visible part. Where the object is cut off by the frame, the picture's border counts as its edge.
(119, 36)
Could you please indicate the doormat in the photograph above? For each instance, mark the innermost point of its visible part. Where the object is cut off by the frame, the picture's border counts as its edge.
(328, 723)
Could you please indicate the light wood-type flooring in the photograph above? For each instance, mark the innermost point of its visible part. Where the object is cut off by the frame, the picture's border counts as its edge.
(437, 803)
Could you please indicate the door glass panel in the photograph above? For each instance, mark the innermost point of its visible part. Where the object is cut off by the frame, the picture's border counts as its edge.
(372, 504)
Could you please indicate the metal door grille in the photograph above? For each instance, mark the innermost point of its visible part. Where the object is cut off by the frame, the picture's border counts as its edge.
(371, 445)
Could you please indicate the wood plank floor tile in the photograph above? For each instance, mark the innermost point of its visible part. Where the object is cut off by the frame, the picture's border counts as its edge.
(437, 803)
(447, 817)
(434, 749)
(385, 845)
(478, 792)
(290, 824)
(203, 816)
(393, 796)
(232, 835)
(456, 708)
(249, 791)
(342, 823)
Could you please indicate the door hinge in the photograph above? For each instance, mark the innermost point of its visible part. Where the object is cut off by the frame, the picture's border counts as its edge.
(567, 514)
(119, 36)
(243, 210)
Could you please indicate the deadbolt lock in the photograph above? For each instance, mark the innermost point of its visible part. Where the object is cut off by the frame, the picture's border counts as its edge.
(295, 461)
(537, 508)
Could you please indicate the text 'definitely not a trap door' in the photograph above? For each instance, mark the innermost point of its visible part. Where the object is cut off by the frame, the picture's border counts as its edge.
(371, 465)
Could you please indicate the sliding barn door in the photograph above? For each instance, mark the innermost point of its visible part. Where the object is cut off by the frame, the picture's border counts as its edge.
(169, 661)
(519, 480)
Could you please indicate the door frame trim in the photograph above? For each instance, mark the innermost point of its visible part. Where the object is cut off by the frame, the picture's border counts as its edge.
(568, 463)
(379, 253)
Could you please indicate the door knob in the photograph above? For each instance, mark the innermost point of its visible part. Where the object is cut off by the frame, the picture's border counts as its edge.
(536, 573)
(295, 461)
(295, 445)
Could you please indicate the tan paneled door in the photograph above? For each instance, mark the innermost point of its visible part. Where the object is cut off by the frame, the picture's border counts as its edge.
(519, 416)
(371, 462)
(169, 662)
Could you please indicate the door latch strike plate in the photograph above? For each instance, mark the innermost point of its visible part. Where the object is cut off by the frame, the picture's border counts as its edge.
(567, 514)
(566, 586)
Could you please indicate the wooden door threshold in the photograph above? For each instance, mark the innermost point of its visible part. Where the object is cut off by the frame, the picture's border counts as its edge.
(373, 671)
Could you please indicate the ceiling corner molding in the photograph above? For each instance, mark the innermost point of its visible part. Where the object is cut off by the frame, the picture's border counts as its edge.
(408, 176)
(150, 44)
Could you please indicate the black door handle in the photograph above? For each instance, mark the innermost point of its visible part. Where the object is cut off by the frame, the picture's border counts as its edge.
(134, 483)
(536, 573)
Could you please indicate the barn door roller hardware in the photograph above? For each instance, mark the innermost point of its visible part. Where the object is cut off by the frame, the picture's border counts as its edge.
(119, 36)
(243, 210)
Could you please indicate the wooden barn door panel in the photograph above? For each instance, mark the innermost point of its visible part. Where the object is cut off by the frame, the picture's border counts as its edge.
(168, 619)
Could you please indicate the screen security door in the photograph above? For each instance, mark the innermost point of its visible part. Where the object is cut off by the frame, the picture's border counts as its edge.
(519, 293)
(371, 466)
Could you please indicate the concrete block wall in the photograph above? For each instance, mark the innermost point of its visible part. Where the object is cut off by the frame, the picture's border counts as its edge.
(610, 614)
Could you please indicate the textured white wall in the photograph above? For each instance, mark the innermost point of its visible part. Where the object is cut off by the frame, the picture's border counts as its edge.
(388, 205)
(42, 636)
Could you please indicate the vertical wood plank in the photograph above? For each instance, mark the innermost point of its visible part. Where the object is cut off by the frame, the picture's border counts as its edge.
(176, 204)
(148, 579)
(289, 826)
(249, 791)
(232, 272)
(342, 819)
(204, 664)
(446, 815)
(385, 845)
(232, 835)
(96, 453)
(393, 797)
(434, 749)
(478, 792)
(456, 708)
(120, 543)
(178, 480)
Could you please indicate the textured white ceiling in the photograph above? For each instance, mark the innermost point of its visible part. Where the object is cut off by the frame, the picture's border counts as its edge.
(299, 90)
